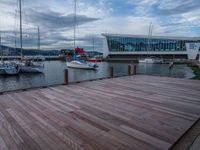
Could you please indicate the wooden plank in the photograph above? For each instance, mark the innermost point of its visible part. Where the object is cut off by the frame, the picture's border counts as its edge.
(2, 144)
(142, 112)
(146, 138)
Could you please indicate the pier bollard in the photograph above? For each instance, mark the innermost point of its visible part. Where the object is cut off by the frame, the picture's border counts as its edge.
(111, 72)
(135, 70)
(129, 70)
(66, 77)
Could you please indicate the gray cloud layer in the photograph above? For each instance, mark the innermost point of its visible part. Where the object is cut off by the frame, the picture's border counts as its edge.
(182, 7)
(53, 20)
(52, 25)
(168, 15)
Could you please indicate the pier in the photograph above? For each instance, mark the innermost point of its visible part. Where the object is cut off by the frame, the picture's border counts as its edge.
(125, 113)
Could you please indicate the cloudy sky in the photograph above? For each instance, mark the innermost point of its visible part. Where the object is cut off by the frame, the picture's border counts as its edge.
(56, 21)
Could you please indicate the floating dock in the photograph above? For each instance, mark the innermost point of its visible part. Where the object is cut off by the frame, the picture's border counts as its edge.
(125, 113)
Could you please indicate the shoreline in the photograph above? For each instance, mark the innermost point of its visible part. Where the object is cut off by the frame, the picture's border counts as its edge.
(196, 71)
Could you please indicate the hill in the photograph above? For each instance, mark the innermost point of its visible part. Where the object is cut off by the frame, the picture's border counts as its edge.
(28, 52)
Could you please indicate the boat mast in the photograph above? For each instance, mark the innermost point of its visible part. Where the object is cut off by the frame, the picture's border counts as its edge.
(20, 14)
(93, 43)
(75, 24)
(15, 41)
(38, 46)
(1, 49)
(74, 29)
(149, 34)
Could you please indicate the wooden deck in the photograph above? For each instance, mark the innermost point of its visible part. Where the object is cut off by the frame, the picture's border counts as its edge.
(136, 113)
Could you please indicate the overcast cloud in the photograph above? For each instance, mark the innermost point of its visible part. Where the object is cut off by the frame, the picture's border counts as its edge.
(56, 20)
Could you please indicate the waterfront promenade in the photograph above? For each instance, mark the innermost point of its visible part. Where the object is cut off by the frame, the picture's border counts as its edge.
(125, 113)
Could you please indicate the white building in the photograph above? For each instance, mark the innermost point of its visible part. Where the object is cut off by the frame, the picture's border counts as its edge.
(135, 46)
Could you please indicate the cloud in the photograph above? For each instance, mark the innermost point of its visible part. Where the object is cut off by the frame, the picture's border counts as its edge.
(53, 25)
(171, 7)
(52, 20)
(7, 2)
(56, 20)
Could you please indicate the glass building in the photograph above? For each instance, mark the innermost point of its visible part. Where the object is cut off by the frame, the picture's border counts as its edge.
(132, 44)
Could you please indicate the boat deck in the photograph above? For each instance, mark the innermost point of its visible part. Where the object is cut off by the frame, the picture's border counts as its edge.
(136, 113)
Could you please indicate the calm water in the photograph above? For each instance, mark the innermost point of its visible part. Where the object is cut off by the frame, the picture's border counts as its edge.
(54, 71)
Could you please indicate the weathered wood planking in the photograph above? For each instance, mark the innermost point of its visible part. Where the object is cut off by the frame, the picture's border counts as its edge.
(141, 112)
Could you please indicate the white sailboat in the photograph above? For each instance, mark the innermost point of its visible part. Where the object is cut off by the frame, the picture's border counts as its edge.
(151, 60)
(7, 68)
(81, 65)
(77, 63)
(28, 65)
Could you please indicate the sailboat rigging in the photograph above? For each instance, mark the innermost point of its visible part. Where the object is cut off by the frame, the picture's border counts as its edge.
(28, 65)
(150, 59)
(20, 16)
(76, 63)
(1, 51)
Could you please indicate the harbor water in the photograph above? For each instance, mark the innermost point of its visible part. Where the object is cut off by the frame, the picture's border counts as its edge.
(54, 74)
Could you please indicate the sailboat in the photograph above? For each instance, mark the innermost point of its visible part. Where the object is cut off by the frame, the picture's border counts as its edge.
(81, 64)
(7, 68)
(76, 63)
(29, 65)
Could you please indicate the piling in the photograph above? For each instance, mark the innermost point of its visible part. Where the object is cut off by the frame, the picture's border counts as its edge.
(111, 72)
(129, 70)
(135, 70)
(66, 77)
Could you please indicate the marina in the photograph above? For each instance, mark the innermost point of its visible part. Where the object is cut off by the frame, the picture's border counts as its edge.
(99, 75)
(54, 72)
(135, 112)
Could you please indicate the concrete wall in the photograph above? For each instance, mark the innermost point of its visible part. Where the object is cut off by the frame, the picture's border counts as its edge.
(192, 50)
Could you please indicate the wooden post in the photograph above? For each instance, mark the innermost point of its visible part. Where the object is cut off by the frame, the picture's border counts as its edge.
(66, 78)
(135, 70)
(129, 70)
(111, 72)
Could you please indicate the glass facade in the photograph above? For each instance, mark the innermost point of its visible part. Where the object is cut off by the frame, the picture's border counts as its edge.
(137, 44)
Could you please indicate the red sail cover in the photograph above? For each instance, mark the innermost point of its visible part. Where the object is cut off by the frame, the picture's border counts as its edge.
(79, 50)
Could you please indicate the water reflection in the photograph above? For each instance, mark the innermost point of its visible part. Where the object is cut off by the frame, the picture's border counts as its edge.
(54, 71)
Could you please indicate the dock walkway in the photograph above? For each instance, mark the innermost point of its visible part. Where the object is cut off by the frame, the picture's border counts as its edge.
(126, 113)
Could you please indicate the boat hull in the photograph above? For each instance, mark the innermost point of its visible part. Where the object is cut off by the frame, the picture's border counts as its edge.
(151, 61)
(30, 67)
(9, 71)
(94, 60)
(85, 66)
(26, 69)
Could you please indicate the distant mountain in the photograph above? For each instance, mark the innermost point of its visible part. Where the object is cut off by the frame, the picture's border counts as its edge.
(93, 53)
(28, 52)
(89, 53)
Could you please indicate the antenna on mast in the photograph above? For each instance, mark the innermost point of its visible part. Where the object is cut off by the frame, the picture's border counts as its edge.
(93, 41)
(150, 35)
(20, 14)
(38, 46)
